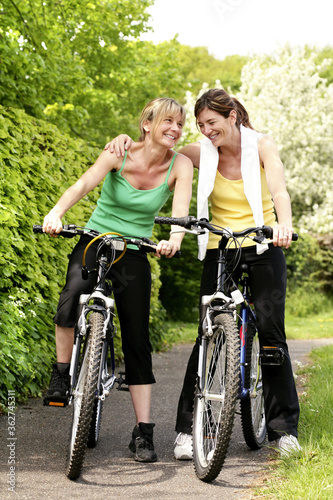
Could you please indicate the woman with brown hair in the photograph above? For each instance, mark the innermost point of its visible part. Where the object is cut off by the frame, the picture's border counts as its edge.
(241, 175)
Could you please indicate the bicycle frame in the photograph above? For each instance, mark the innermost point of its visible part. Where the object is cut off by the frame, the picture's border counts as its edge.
(246, 315)
(96, 301)
(221, 302)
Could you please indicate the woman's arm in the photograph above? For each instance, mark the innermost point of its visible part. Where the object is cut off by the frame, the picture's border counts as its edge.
(123, 142)
(270, 158)
(86, 183)
(183, 168)
(192, 151)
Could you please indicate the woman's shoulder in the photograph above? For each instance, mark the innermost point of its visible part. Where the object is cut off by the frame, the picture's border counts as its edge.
(182, 162)
(266, 141)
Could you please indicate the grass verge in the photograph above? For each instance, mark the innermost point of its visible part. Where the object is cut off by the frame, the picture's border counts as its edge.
(308, 476)
(310, 327)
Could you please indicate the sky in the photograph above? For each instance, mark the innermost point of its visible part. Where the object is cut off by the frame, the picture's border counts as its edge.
(242, 27)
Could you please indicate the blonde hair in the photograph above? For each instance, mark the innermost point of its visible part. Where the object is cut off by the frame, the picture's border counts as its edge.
(156, 110)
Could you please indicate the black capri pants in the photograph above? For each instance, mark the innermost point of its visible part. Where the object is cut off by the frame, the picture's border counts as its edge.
(131, 283)
(268, 280)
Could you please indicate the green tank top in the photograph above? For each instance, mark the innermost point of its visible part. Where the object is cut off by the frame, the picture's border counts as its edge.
(123, 209)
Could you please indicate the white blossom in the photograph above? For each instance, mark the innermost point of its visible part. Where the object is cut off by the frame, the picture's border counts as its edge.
(287, 99)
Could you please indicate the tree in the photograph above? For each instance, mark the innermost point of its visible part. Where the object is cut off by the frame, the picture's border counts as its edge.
(197, 66)
(288, 99)
(79, 64)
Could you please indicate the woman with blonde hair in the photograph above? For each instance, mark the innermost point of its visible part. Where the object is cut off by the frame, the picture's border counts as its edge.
(135, 189)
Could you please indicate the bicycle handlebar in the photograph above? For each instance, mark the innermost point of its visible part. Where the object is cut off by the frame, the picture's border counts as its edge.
(192, 222)
(186, 222)
(71, 230)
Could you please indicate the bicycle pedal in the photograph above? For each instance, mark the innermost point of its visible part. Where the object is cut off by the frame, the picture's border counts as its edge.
(270, 356)
(121, 381)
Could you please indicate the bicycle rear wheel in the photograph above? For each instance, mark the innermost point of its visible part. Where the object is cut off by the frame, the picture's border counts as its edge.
(214, 406)
(84, 396)
(252, 408)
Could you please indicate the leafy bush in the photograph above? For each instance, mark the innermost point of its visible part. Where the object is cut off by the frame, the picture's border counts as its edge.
(310, 275)
(37, 164)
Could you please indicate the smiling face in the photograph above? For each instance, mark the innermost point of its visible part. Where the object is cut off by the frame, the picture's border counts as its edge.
(217, 128)
(163, 114)
(168, 131)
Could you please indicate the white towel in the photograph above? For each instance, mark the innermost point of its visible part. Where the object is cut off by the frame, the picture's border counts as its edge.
(250, 168)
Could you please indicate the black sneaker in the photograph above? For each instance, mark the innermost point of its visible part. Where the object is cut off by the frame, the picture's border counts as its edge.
(57, 393)
(142, 443)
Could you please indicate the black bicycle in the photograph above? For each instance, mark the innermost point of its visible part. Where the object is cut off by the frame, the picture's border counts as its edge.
(230, 358)
(91, 381)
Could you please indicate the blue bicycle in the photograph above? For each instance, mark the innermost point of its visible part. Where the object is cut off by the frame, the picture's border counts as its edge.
(230, 358)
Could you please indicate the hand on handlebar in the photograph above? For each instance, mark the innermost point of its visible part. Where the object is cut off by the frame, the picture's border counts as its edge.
(167, 248)
(52, 224)
(119, 145)
(282, 235)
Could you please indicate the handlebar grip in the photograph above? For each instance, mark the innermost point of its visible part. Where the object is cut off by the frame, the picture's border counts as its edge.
(69, 231)
(177, 221)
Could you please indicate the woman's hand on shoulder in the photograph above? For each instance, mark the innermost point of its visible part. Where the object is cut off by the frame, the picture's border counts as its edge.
(119, 145)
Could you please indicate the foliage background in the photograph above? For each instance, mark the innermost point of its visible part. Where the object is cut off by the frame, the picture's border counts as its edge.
(73, 74)
(37, 163)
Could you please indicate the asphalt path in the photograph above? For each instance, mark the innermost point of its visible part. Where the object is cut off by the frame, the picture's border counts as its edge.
(109, 470)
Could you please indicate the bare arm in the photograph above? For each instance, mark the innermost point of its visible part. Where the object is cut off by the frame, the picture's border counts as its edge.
(192, 151)
(123, 142)
(273, 166)
(180, 205)
(86, 183)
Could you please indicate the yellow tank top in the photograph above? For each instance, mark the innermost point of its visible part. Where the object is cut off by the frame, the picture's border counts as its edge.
(230, 208)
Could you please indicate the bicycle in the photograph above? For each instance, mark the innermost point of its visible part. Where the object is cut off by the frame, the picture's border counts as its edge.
(90, 381)
(230, 359)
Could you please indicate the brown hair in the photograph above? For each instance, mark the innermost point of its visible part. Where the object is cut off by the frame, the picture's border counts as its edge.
(220, 101)
(157, 109)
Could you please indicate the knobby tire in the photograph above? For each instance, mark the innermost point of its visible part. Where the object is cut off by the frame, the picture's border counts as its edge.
(84, 398)
(252, 408)
(96, 418)
(214, 408)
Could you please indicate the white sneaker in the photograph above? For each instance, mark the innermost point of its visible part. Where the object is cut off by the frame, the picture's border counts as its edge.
(183, 447)
(287, 445)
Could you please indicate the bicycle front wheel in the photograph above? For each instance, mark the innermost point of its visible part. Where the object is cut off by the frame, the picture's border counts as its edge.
(84, 396)
(252, 408)
(215, 404)
(96, 418)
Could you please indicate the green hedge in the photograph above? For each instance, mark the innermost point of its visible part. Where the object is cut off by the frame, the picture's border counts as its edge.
(37, 164)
